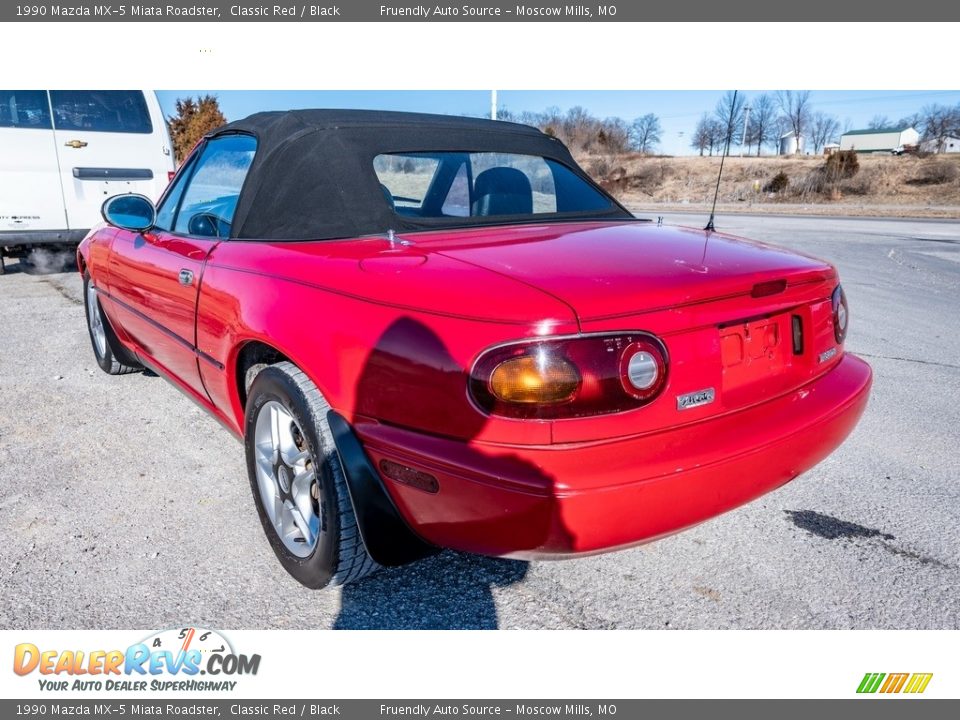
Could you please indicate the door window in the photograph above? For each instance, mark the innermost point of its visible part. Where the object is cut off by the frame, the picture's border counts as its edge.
(24, 109)
(213, 187)
(167, 210)
(118, 111)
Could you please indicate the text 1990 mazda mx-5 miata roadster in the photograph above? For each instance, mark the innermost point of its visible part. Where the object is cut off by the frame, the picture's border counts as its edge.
(435, 332)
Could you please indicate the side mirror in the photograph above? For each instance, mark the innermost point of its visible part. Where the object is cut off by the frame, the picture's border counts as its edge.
(129, 212)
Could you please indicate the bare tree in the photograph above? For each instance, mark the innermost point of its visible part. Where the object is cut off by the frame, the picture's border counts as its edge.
(729, 113)
(914, 121)
(795, 107)
(878, 122)
(646, 132)
(614, 135)
(700, 140)
(716, 135)
(578, 129)
(940, 122)
(764, 127)
(824, 128)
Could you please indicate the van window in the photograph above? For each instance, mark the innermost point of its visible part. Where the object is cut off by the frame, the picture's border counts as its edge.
(118, 111)
(24, 109)
(213, 189)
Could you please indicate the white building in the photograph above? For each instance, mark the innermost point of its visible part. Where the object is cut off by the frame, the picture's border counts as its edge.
(950, 145)
(879, 140)
(790, 144)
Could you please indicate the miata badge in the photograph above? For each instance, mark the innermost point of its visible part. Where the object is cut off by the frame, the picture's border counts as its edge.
(696, 399)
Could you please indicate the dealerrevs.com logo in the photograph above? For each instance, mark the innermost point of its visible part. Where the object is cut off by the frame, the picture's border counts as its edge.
(167, 660)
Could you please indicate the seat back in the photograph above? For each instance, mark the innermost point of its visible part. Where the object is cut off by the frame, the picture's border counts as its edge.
(502, 191)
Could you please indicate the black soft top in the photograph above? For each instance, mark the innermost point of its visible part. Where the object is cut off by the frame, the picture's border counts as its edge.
(313, 176)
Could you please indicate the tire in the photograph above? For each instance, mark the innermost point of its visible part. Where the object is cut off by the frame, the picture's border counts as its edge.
(112, 357)
(293, 465)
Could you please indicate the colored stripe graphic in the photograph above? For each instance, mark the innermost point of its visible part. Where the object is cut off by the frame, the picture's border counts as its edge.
(870, 682)
(894, 682)
(918, 682)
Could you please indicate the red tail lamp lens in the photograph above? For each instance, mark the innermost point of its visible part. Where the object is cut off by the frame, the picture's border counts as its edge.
(841, 314)
(170, 174)
(553, 378)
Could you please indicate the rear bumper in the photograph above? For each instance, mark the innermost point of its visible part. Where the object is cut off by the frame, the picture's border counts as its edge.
(585, 498)
(20, 238)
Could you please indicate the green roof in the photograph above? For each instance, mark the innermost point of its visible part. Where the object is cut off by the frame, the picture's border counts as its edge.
(877, 131)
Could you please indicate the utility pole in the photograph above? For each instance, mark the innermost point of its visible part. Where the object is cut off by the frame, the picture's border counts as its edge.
(746, 124)
(493, 104)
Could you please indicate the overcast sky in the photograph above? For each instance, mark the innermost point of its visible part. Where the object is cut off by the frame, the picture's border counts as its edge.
(678, 110)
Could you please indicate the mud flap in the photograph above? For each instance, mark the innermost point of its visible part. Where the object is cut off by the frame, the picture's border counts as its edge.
(388, 538)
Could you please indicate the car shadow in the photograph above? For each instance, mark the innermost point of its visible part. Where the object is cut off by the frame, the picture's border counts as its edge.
(410, 379)
(449, 591)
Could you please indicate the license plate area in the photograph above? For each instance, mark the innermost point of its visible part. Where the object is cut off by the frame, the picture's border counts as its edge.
(755, 352)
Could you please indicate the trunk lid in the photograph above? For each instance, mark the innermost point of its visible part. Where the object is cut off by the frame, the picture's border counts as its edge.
(609, 269)
(725, 308)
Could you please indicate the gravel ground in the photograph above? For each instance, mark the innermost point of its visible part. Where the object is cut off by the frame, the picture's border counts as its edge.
(124, 506)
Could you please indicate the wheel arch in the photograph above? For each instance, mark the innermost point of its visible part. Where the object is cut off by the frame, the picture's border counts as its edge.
(252, 351)
(247, 355)
(386, 535)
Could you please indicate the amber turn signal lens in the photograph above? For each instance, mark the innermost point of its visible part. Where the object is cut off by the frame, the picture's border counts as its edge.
(535, 379)
(554, 378)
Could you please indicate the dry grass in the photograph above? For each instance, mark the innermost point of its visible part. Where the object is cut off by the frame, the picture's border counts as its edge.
(882, 181)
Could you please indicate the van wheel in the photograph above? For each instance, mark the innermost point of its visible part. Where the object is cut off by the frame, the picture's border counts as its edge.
(111, 356)
(298, 483)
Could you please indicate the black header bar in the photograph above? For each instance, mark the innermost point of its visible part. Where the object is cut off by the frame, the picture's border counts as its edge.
(731, 11)
(120, 707)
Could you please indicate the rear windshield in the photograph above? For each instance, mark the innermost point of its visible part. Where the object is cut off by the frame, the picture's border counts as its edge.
(466, 185)
(24, 109)
(118, 111)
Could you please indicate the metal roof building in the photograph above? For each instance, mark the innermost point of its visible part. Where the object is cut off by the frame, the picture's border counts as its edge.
(879, 139)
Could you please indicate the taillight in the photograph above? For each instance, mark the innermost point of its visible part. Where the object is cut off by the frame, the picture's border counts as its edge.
(170, 174)
(841, 314)
(553, 378)
(536, 379)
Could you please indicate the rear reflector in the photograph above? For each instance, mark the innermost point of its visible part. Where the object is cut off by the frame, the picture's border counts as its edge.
(409, 476)
(765, 289)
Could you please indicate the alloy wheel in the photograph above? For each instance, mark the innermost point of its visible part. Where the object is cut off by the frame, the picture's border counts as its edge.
(287, 478)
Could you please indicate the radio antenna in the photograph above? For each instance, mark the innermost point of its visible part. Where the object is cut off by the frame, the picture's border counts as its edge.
(726, 151)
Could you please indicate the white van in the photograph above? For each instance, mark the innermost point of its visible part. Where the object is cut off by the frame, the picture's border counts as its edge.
(63, 152)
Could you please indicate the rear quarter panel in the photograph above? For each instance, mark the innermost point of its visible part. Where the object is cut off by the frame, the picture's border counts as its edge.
(370, 357)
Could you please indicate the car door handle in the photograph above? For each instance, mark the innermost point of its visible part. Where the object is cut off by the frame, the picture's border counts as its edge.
(186, 277)
(76, 144)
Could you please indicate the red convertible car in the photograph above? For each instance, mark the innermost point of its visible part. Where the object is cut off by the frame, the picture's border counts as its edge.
(434, 332)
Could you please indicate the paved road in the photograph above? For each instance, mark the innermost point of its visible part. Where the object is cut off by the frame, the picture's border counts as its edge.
(123, 506)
